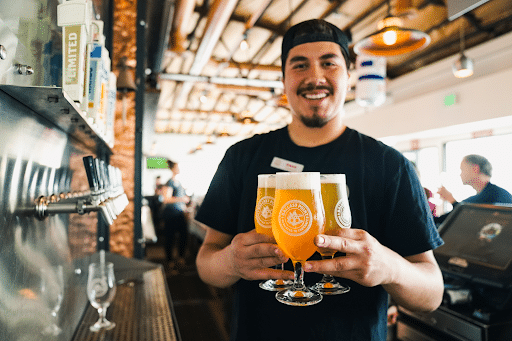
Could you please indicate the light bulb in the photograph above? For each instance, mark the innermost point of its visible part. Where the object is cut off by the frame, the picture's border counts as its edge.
(389, 37)
(463, 67)
(244, 45)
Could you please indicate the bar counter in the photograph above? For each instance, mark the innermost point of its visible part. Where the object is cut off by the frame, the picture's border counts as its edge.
(142, 308)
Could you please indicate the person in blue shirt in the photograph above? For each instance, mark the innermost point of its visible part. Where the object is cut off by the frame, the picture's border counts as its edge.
(476, 171)
(174, 217)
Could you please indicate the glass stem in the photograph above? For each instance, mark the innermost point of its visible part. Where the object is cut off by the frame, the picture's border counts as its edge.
(327, 278)
(103, 314)
(298, 281)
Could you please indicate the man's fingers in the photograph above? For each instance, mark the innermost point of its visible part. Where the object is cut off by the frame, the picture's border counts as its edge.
(269, 273)
(333, 266)
(252, 237)
(341, 244)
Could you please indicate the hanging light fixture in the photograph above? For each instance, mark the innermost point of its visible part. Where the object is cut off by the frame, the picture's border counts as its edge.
(125, 84)
(463, 66)
(244, 44)
(392, 39)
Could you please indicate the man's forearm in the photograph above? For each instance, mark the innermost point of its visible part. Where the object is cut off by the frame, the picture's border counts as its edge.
(418, 285)
(214, 264)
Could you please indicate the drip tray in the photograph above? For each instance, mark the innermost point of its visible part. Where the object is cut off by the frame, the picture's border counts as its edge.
(141, 311)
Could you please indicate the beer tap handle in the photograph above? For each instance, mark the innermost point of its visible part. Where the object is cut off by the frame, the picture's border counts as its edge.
(119, 177)
(90, 170)
(97, 167)
(106, 180)
(112, 178)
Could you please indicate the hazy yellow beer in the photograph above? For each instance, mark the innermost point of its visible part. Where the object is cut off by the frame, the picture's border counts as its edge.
(337, 210)
(265, 203)
(263, 222)
(297, 218)
(337, 216)
(298, 214)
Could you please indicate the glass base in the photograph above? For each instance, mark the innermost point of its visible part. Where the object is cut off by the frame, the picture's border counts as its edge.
(330, 288)
(105, 325)
(52, 330)
(275, 285)
(298, 297)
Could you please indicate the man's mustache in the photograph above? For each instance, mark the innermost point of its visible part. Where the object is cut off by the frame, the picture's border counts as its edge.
(313, 87)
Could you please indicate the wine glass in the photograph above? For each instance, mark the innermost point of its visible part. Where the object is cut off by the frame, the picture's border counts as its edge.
(298, 216)
(52, 292)
(337, 216)
(263, 222)
(101, 289)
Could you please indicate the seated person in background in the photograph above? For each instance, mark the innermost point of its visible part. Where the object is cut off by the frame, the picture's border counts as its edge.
(432, 206)
(476, 171)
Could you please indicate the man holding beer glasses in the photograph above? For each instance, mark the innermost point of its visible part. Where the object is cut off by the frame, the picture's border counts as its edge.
(387, 249)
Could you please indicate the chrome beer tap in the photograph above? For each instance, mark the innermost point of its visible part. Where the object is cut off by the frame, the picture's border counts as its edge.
(97, 191)
(98, 199)
(103, 186)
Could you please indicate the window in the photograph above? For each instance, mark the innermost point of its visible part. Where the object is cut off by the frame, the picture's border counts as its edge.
(427, 164)
(495, 148)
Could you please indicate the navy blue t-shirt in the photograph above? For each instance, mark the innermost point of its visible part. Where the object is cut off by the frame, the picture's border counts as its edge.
(491, 194)
(386, 199)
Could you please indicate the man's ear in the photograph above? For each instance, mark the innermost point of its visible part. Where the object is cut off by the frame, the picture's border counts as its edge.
(476, 169)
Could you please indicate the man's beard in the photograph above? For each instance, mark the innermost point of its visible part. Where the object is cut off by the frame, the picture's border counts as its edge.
(316, 121)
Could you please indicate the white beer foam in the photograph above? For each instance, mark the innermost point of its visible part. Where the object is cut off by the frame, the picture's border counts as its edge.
(266, 181)
(305, 180)
(332, 178)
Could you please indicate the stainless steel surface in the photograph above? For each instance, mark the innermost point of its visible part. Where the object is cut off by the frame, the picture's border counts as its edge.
(54, 104)
(3, 52)
(38, 158)
(31, 37)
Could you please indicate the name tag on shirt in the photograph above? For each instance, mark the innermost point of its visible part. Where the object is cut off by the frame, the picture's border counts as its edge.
(286, 165)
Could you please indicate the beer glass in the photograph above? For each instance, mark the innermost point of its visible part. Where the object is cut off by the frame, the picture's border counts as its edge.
(337, 216)
(298, 216)
(52, 291)
(101, 289)
(263, 222)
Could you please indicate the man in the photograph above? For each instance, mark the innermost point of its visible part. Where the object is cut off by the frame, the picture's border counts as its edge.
(389, 247)
(476, 171)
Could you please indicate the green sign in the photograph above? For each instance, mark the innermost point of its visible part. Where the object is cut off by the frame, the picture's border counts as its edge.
(450, 100)
(156, 163)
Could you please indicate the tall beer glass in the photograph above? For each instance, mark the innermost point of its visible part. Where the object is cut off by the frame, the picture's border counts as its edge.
(337, 216)
(263, 222)
(298, 216)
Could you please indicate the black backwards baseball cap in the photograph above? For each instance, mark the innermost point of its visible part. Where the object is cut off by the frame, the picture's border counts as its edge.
(311, 31)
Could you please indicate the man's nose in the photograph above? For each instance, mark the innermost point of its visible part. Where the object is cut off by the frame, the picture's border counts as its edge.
(316, 75)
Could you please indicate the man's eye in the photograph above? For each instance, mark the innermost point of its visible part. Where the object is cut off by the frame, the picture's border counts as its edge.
(299, 66)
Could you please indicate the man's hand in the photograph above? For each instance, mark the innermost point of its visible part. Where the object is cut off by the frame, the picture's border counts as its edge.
(252, 255)
(366, 261)
(446, 195)
(414, 282)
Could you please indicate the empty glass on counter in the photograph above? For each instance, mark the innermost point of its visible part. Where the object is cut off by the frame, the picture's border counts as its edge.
(101, 289)
(52, 293)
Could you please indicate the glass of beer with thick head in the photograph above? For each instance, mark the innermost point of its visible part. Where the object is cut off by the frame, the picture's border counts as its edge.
(263, 222)
(337, 216)
(298, 216)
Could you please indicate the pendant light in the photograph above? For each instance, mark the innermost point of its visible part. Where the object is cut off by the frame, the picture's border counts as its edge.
(392, 39)
(463, 66)
(125, 84)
